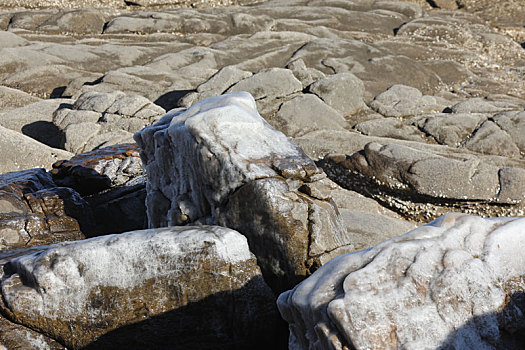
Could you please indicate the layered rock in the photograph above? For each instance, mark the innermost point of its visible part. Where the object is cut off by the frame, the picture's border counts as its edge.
(35, 211)
(220, 162)
(181, 287)
(454, 283)
(112, 182)
(98, 119)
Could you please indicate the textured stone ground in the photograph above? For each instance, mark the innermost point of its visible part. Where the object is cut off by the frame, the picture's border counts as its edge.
(413, 109)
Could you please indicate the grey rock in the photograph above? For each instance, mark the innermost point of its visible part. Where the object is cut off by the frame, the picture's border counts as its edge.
(490, 139)
(343, 92)
(369, 229)
(272, 82)
(390, 127)
(305, 113)
(8, 39)
(403, 101)
(306, 75)
(513, 123)
(474, 105)
(451, 129)
(21, 152)
(12, 99)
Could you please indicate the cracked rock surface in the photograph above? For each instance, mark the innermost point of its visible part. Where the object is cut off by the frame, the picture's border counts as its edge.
(454, 283)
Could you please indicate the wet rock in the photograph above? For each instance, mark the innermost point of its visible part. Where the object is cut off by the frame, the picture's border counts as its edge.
(220, 162)
(459, 276)
(34, 211)
(137, 285)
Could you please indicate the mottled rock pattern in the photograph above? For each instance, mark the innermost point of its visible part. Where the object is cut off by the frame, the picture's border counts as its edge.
(34, 211)
(220, 162)
(454, 283)
(134, 285)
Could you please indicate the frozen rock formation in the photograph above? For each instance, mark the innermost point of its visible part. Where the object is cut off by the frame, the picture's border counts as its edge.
(220, 162)
(114, 290)
(455, 283)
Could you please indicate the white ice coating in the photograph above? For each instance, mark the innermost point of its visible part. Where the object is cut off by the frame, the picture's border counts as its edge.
(195, 158)
(413, 291)
(58, 281)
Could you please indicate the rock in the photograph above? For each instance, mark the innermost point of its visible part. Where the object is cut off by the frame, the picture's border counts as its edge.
(8, 39)
(34, 211)
(20, 152)
(305, 113)
(273, 82)
(36, 121)
(391, 128)
(14, 336)
(306, 75)
(220, 162)
(113, 184)
(343, 92)
(513, 123)
(490, 139)
(403, 101)
(474, 105)
(11, 99)
(451, 129)
(99, 119)
(137, 285)
(459, 276)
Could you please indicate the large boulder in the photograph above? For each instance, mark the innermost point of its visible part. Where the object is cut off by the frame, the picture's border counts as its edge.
(219, 162)
(171, 288)
(456, 283)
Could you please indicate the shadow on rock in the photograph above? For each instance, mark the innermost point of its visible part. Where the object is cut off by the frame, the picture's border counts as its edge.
(170, 99)
(46, 133)
(496, 330)
(241, 319)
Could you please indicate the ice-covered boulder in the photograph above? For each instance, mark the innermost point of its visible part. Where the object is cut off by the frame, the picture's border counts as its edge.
(219, 162)
(455, 283)
(186, 287)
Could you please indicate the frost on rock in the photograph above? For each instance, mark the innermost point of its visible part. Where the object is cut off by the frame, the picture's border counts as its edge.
(455, 283)
(76, 292)
(219, 162)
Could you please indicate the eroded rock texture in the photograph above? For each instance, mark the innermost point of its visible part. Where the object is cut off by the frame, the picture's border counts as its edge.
(455, 283)
(191, 287)
(111, 181)
(35, 211)
(220, 162)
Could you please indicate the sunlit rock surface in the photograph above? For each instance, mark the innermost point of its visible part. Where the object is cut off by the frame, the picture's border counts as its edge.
(456, 283)
(220, 162)
(115, 290)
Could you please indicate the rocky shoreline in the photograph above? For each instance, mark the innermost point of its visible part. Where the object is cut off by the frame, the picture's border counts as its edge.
(170, 169)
